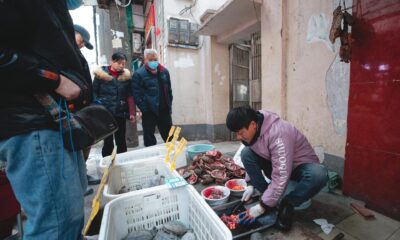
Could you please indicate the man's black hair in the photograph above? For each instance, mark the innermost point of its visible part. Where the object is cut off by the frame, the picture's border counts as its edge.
(118, 56)
(240, 117)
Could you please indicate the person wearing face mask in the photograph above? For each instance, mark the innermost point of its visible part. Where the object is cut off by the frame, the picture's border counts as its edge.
(151, 87)
(112, 89)
(47, 179)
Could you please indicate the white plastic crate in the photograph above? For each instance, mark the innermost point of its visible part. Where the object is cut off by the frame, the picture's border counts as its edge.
(159, 205)
(139, 172)
(143, 153)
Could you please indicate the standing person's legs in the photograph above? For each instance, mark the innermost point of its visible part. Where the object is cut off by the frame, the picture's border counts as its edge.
(120, 135)
(311, 178)
(164, 124)
(254, 166)
(108, 146)
(149, 121)
(49, 183)
(91, 180)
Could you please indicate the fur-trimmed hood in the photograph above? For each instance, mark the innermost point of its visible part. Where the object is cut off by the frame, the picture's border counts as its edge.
(102, 73)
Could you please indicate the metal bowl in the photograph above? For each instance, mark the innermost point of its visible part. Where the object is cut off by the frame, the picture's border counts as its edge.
(216, 202)
(240, 182)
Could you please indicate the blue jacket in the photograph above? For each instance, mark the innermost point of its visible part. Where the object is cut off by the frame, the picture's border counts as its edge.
(112, 93)
(145, 88)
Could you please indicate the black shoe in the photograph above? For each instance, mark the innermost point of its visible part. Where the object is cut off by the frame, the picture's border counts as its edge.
(92, 181)
(285, 215)
(88, 192)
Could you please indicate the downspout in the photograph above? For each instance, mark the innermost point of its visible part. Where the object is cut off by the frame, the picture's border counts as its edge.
(284, 37)
(129, 23)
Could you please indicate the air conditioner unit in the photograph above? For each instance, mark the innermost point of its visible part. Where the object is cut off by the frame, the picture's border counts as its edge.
(193, 38)
(173, 30)
(181, 31)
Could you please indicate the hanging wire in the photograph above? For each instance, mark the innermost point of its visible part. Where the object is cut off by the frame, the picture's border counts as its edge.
(188, 8)
(119, 3)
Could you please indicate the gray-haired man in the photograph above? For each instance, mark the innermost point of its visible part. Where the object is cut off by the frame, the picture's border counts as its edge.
(151, 87)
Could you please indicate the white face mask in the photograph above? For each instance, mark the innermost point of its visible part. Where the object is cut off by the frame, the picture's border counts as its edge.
(74, 4)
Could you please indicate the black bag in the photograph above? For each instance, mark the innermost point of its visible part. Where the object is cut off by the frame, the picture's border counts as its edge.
(96, 123)
(83, 128)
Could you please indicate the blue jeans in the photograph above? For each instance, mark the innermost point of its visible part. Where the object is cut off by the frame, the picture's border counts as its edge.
(311, 177)
(54, 206)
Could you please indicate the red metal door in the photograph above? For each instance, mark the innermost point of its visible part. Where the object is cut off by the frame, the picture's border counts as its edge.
(372, 165)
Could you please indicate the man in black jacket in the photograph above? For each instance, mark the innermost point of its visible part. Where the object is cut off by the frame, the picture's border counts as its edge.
(38, 54)
(151, 87)
(82, 39)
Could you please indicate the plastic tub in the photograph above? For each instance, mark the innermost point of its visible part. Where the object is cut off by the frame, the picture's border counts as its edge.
(144, 153)
(193, 150)
(140, 172)
(155, 206)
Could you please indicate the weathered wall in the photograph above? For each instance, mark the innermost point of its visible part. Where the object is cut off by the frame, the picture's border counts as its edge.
(271, 48)
(200, 78)
(304, 82)
(104, 35)
(187, 73)
(220, 81)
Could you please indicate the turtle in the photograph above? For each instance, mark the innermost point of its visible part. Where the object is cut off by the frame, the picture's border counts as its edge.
(198, 171)
(163, 235)
(175, 227)
(124, 189)
(189, 236)
(206, 179)
(139, 235)
(193, 178)
(186, 174)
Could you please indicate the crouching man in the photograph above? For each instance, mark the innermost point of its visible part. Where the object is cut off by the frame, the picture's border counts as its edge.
(283, 153)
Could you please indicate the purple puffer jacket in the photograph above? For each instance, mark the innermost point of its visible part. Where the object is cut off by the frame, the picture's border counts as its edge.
(286, 147)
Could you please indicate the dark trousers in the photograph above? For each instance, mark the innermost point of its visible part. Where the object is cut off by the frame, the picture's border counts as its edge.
(311, 177)
(149, 121)
(119, 139)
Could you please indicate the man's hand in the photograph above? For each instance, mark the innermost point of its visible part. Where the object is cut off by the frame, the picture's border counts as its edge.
(132, 119)
(247, 193)
(68, 88)
(250, 216)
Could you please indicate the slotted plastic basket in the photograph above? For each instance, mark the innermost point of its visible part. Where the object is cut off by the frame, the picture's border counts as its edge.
(139, 172)
(156, 206)
(144, 153)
